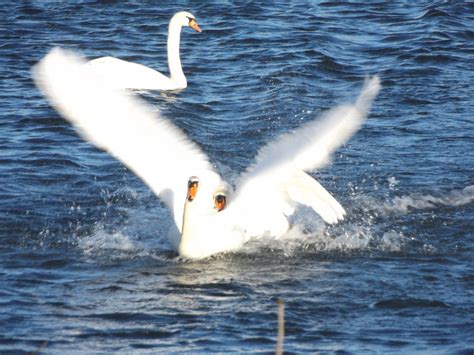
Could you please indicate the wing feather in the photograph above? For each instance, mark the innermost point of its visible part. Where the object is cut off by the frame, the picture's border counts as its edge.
(310, 146)
(278, 173)
(123, 125)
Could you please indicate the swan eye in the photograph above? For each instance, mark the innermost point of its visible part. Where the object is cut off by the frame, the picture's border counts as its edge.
(219, 202)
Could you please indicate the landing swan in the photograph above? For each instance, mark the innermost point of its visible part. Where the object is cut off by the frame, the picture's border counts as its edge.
(209, 217)
(128, 75)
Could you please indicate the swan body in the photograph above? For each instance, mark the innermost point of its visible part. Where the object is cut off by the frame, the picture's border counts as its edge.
(128, 75)
(209, 217)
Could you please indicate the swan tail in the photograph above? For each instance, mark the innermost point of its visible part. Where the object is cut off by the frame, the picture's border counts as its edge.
(303, 189)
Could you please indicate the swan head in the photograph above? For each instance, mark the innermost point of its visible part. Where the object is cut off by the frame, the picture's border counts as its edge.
(220, 201)
(207, 231)
(184, 19)
(193, 186)
(220, 197)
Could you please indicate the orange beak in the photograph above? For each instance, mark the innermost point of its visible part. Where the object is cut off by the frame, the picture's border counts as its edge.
(193, 24)
(192, 190)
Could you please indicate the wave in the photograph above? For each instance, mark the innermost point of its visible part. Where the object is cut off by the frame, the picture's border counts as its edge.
(454, 198)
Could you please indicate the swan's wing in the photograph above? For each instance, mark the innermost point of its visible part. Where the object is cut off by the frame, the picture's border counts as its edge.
(125, 126)
(278, 173)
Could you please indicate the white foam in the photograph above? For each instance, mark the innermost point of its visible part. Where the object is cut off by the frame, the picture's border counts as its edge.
(392, 182)
(393, 241)
(352, 238)
(418, 201)
(313, 234)
(101, 240)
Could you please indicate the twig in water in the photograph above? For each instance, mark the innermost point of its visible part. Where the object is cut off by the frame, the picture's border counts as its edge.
(40, 348)
(281, 327)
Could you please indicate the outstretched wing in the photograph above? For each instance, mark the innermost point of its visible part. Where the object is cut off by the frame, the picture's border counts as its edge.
(125, 126)
(278, 173)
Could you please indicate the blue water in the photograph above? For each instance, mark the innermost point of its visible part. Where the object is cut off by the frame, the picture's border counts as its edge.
(85, 265)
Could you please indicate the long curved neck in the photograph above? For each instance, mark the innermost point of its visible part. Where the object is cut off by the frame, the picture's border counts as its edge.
(174, 61)
(185, 242)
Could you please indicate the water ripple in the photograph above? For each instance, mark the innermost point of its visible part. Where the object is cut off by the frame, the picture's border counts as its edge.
(85, 262)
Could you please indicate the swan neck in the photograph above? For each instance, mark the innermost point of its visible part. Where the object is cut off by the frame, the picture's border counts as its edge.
(185, 239)
(174, 61)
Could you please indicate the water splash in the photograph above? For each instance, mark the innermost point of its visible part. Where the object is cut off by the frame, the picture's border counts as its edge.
(101, 240)
(393, 241)
(123, 242)
(417, 201)
(367, 228)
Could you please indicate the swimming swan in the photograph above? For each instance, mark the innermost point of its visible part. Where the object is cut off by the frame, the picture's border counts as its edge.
(209, 216)
(128, 75)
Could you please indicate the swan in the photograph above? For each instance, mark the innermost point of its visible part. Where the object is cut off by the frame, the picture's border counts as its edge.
(128, 75)
(209, 215)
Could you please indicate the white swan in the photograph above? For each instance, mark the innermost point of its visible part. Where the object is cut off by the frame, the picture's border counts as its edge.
(128, 75)
(209, 217)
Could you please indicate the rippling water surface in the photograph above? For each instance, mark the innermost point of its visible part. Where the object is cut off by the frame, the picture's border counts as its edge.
(85, 264)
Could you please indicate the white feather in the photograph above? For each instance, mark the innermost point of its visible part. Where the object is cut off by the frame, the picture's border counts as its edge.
(310, 146)
(165, 158)
(125, 126)
(277, 175)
